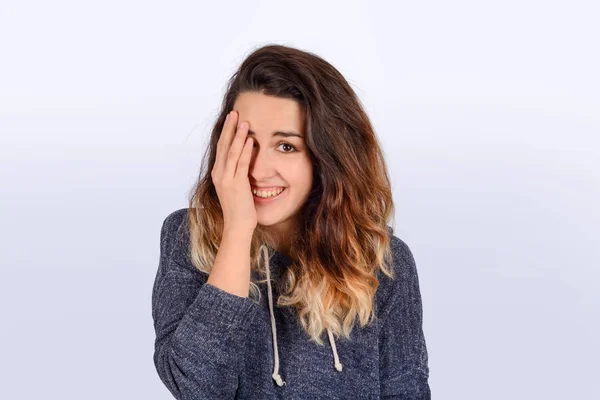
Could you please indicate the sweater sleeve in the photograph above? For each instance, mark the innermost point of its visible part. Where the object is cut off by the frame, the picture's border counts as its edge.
(200, 329)
(403, 358)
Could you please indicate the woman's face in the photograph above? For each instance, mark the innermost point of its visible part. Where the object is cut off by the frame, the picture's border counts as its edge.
(277, 160)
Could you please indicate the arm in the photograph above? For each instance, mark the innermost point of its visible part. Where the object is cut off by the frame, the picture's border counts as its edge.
(200, 329)
(403, 358)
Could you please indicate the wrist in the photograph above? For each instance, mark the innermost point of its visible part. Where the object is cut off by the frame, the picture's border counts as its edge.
(237, 234)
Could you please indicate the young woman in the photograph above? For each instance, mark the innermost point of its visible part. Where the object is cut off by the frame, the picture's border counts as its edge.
(282, 279)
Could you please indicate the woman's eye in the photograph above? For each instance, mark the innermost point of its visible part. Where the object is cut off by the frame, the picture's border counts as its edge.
(288, 145)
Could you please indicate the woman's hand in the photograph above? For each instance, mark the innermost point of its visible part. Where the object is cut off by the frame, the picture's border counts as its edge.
(230, 176)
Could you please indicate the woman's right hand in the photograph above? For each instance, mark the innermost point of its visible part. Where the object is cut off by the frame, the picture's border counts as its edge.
(230, 176)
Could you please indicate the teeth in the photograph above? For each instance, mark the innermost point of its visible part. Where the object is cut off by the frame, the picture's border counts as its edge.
(267, 194)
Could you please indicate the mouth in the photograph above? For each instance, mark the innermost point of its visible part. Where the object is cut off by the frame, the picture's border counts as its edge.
(262, 200)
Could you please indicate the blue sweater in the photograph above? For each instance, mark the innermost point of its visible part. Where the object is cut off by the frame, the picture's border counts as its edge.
(211, 344)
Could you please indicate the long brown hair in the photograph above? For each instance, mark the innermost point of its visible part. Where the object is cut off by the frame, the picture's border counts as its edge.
(344, 238)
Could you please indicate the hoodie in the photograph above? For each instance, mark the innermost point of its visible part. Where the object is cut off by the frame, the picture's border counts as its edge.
(212, 344)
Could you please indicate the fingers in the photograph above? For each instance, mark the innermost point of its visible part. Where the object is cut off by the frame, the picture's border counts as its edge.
(244, 162)
(224, 142)
(233, 155)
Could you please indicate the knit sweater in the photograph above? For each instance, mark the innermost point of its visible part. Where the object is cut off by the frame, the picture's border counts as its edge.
(212, 344)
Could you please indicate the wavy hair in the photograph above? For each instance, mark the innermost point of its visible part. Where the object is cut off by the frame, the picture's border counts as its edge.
(344, 239)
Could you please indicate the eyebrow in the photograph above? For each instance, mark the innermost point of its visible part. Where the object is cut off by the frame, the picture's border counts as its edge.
(280, 133)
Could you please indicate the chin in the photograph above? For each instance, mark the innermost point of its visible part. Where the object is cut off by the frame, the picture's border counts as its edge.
(266, 222)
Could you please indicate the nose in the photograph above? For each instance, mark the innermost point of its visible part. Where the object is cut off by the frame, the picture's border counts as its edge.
(261, 165)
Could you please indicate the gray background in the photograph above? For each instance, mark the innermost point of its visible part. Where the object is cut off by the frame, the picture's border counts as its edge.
(488, 112)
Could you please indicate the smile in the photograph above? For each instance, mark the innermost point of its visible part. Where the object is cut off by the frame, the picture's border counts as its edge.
(272, 195)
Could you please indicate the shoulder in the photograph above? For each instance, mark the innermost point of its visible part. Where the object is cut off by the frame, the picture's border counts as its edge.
(404, 269)
(174, 219)
(175, 237)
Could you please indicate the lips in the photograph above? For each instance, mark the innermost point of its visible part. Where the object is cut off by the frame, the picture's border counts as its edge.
(268, 199)
(266, 189)
(276, 192)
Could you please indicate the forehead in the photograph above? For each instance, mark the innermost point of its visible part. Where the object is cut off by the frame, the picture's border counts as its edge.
(267, 114)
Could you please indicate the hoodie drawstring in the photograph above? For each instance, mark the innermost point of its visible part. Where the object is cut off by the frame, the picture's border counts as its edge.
(336, 360)
(276, 376)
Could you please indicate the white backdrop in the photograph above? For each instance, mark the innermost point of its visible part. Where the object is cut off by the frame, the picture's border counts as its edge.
(488, 112)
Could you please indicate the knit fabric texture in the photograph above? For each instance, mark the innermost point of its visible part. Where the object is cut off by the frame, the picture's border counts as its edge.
(211, 344)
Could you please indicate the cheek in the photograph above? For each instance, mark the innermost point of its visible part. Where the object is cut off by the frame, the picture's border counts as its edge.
(299, 175)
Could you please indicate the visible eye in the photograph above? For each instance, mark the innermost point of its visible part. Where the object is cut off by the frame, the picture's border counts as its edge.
(287, 144)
